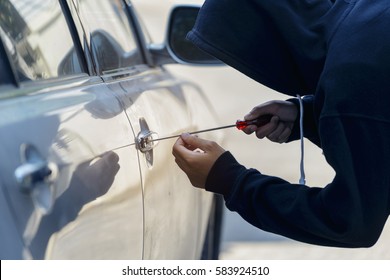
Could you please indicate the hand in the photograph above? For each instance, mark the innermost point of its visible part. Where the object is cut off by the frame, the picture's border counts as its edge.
(196, 156)
(281, 124)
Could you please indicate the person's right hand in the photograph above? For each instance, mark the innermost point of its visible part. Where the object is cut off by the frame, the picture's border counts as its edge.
(284, 114)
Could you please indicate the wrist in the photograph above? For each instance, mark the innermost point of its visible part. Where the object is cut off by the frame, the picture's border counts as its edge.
(223, 174)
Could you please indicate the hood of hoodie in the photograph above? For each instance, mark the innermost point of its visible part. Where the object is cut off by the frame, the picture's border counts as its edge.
(278, 43)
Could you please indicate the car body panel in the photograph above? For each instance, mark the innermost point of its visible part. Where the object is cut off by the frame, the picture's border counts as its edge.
(152, 95)
(11, 245)
(73, 130)
(76, 183)
(167, 106)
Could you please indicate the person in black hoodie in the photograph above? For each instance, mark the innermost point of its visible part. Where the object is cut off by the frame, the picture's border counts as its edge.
(334, 53)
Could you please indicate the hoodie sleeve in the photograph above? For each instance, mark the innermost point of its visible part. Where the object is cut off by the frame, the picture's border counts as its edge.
(349, 212)
(310, 130)
(277, 43)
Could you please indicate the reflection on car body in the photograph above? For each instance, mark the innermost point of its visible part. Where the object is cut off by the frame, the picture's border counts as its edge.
(83, 88)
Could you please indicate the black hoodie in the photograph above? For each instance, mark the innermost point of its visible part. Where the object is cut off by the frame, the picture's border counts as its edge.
(337, 53)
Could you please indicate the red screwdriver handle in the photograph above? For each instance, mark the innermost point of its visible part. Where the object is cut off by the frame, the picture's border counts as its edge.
(260, 121)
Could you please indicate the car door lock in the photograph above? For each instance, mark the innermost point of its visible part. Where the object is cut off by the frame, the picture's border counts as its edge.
(145, 141)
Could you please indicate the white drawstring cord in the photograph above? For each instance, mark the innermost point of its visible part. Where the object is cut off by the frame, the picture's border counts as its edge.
(302, 179)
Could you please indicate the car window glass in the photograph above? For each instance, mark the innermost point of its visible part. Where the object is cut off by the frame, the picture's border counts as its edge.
(142, 25)
(37, 38)
(6, 73)
(112, 41)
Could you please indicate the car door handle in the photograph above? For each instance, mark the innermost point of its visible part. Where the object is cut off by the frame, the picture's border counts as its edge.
(33, 170)
(28, 174)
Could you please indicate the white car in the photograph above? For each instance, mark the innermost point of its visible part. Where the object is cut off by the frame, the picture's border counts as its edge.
(83, 96)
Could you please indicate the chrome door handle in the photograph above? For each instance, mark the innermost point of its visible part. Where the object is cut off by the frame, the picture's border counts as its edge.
(33, 170)
(28, 174)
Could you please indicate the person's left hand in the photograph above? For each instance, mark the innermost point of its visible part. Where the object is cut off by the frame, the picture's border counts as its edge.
(196, 156)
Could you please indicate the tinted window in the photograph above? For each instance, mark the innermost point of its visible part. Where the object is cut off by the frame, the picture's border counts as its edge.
(112, 41)
(37, 37)
(6, 73)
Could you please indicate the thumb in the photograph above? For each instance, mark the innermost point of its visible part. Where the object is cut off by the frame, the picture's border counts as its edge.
(193, 142)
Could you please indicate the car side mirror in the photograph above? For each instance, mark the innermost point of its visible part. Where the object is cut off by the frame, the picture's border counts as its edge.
(177, 49)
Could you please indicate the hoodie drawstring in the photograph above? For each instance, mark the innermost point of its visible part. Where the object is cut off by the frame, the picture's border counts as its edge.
(302, 179)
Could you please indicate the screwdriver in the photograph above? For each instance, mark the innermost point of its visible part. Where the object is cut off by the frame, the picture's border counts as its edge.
(262, 120)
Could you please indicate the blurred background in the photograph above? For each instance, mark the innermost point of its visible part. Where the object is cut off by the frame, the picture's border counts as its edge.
(234, 95)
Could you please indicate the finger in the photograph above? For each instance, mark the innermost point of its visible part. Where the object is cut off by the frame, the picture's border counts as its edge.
(249, 129)
(275, 135)
(180, 148)
(197, 143)
(285, 135)
(182, 164)
(184, 151)
(267, 129)
(264, 129)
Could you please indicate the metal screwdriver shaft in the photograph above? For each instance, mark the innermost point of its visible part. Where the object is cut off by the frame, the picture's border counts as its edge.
(262, 120)
(195, 132)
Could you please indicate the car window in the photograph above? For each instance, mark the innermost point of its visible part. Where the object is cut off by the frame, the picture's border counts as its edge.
(6, 73)
(37, 38)
(113, 43)
(145, 33)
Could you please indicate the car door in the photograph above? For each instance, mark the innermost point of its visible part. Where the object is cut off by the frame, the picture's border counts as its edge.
(69, 171)
(157, 105)
(176, 213)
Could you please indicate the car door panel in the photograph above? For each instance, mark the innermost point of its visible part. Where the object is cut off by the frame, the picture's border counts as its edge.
(152, 100)
(77, 180)
(172, 206)
(96, 184)
(10, 243)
